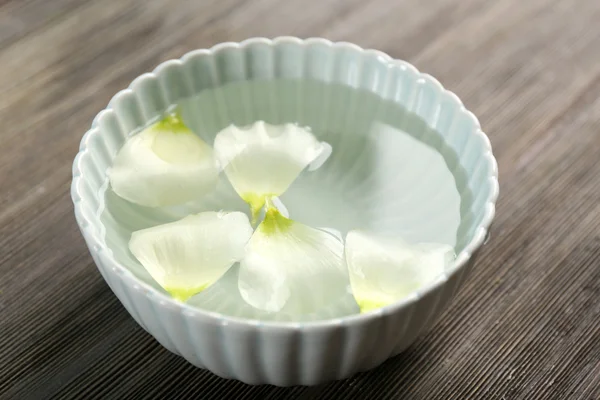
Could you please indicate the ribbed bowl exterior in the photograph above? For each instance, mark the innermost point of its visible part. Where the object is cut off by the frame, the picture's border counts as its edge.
(285, 353)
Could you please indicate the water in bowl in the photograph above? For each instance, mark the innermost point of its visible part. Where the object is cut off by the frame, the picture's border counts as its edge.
(389, 172)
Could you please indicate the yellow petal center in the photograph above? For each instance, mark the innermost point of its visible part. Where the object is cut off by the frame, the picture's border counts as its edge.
(183, 294)
(367, 305)
(274, 222)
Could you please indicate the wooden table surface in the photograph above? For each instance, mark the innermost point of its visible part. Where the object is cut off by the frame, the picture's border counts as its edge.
(526, 325)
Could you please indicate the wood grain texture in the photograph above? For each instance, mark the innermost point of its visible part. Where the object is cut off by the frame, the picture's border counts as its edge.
(525, 326)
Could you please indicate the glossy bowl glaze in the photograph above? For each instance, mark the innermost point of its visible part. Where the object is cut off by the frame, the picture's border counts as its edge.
(338, 89)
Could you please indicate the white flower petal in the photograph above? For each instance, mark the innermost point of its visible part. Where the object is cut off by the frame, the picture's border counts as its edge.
(280, 206)
(187, 256)
(263, 160)
(165, 164)
(385, 269)
(333, 232)
(323, 156)
(292, 268)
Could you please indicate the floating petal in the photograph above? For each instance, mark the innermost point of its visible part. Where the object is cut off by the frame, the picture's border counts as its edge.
(262, 161)
(293, 268)
(187, 256)
(386, 269)
(165, 164)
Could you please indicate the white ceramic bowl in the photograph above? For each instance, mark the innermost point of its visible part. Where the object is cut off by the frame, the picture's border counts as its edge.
(280, 352)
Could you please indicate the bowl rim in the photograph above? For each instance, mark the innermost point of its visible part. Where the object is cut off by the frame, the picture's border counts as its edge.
(97, 244)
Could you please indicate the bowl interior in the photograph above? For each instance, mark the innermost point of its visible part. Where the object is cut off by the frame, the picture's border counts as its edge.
(388, 172)
(406, 157)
